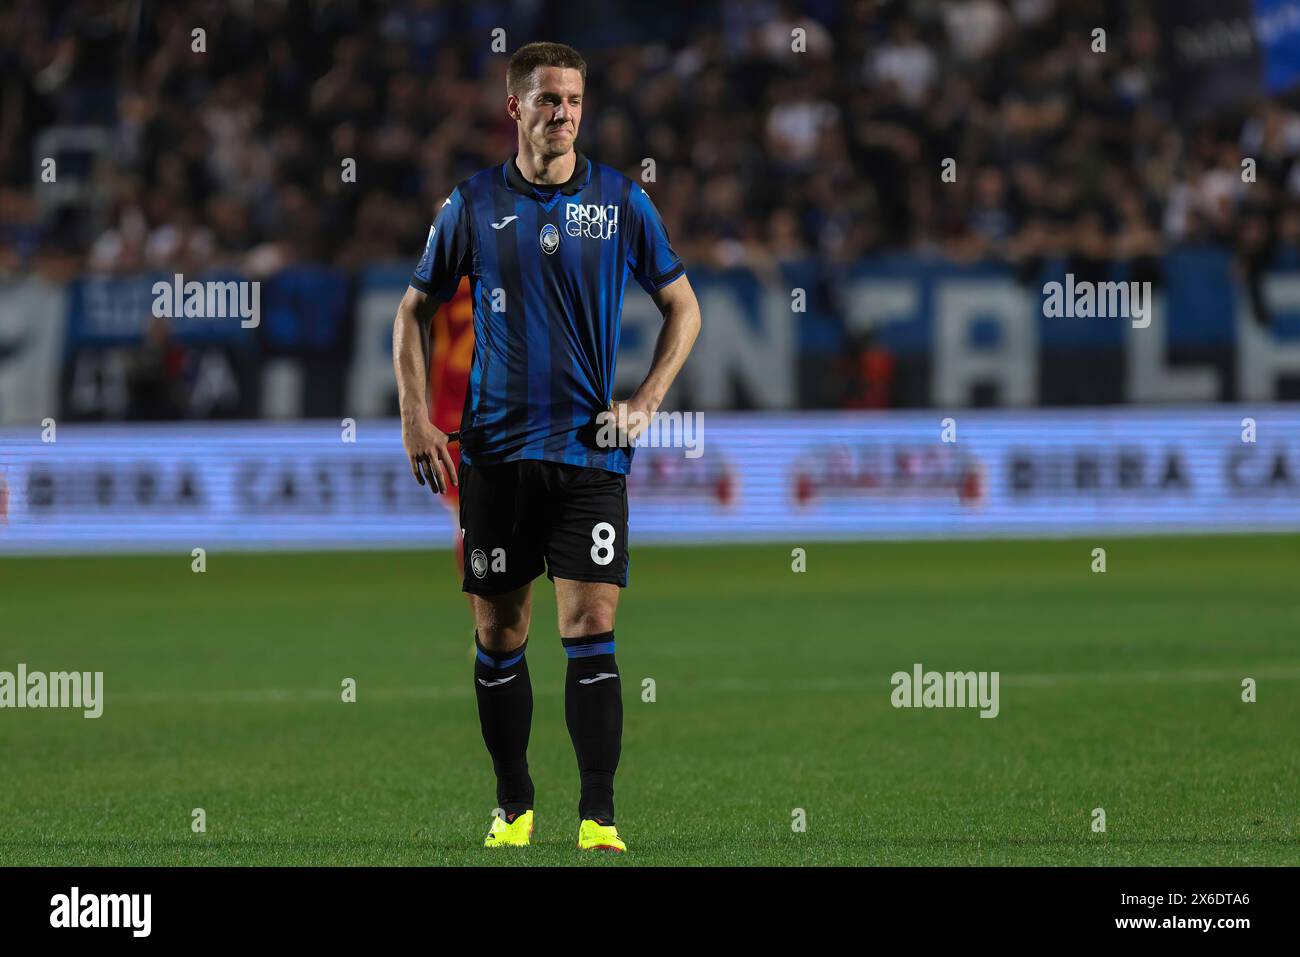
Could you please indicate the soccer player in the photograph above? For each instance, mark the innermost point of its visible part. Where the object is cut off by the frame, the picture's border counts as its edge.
(548, 239)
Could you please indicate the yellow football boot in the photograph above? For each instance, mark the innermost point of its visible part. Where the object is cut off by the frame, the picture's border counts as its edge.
(516, 833)
(595, 836)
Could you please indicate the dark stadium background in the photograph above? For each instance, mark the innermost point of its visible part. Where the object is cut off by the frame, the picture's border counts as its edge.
(876, 364)
(796, 167)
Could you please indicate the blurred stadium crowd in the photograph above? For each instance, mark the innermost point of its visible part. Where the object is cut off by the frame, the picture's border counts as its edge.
(761, 154)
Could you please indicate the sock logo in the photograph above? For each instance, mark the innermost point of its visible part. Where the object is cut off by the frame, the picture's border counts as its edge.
(600, 677)
(499, 681)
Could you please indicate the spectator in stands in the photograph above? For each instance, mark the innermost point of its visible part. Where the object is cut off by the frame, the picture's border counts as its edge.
(235, 156)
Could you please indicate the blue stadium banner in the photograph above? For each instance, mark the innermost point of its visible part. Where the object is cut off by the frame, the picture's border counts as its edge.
(1277, 30)
(740, 477)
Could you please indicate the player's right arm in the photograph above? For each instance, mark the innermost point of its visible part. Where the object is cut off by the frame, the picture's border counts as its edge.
(426, 444)
(446, 258)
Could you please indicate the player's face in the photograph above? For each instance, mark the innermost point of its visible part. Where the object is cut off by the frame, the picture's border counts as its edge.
(551, 111)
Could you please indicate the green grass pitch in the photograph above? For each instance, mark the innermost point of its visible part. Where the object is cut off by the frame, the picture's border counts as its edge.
(1119, 691)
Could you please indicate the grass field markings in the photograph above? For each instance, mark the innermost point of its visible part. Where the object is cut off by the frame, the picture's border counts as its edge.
(456, 845)
(291, 695)
(1152, 676)
(738, 685)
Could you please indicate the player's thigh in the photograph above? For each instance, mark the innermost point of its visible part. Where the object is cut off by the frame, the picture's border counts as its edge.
(502, 621)
(502, 549)
(585, 608)
(587, 537)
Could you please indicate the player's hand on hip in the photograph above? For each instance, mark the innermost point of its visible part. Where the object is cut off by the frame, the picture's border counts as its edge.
(631, 417)
(426, 447)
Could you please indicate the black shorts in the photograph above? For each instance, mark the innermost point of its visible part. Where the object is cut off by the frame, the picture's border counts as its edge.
(525, 517)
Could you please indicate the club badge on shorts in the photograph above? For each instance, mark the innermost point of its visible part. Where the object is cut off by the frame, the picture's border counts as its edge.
(478, 563)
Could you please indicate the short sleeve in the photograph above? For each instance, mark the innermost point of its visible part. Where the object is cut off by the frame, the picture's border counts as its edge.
(649, 254)
(446, 252)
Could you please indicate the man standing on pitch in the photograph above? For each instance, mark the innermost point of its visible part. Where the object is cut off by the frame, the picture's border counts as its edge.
(548, 239)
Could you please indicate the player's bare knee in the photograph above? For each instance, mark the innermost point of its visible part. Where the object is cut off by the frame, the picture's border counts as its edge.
(502, 621)
(587, 621)
(502, 634)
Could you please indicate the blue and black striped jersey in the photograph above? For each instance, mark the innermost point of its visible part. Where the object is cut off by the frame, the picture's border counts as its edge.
(548, 267)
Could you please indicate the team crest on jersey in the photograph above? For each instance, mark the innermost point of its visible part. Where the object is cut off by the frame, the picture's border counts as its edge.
(591, 220)
(549, 238)
(478, 563)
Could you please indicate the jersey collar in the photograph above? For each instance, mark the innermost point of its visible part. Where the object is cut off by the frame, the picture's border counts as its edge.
(580, 178)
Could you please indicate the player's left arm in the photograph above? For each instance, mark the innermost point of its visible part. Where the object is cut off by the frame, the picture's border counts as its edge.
(681, 312)
(662, 274)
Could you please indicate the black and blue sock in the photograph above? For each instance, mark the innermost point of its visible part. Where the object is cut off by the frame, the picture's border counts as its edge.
(505, 713)
(593, 709)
